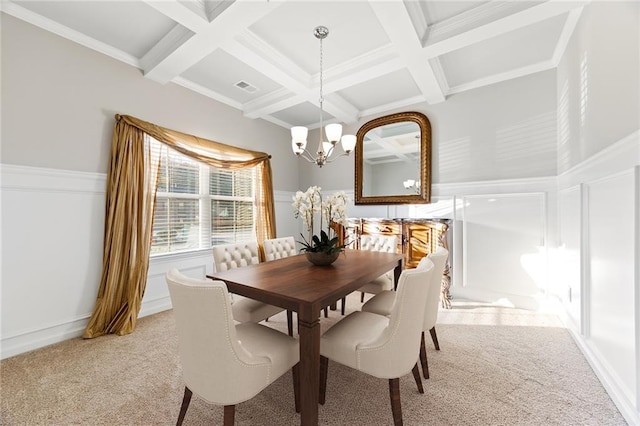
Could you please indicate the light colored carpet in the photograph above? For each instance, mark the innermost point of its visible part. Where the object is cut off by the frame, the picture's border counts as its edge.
(496, 366)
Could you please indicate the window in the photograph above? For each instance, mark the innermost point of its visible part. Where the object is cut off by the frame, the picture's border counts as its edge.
(198, 206)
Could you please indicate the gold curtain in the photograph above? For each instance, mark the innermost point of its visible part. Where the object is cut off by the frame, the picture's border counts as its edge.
(131, 187)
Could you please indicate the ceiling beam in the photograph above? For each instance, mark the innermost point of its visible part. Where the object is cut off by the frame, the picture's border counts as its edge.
(396, 22)
(181, 14)
(371, 65)
(227, 25)
(494, 19)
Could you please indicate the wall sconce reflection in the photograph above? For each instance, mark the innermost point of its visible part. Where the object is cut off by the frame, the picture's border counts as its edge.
(412, 184)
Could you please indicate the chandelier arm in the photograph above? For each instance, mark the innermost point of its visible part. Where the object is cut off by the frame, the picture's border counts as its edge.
(307, 156)
(336, 157)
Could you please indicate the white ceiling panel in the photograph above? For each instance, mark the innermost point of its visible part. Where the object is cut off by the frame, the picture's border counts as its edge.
(526, 46)
(371, 93)
(220, 72)
(305, 114)
(379, 57)
(353, 31)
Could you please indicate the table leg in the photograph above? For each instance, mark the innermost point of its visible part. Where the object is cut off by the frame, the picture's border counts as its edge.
(396, 274)
(309, 370)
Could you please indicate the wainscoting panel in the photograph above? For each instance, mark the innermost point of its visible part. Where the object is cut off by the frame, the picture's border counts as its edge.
(52, 227)
(504, 253)
(603, 193)
(156, 296)
(565, 260)
(612, 294)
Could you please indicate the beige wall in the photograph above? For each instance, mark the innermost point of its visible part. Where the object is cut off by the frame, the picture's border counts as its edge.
(59, 100)
(503, 131)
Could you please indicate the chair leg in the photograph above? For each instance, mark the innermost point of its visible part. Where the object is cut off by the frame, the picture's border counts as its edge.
(434, 337)
(296, 385)
(186, 399)
(344, 303)
(423, 358)
(290, 322)
(362, 297)
(416, 376)
(396, 408)
(326, 312)
(324, 367)
(229, 415)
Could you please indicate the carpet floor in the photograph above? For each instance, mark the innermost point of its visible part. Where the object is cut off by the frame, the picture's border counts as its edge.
(496, 366)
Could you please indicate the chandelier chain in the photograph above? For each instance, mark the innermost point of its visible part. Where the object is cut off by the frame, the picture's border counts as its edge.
(321, 97)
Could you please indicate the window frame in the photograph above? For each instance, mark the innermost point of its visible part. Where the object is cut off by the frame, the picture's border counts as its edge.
(204, 199)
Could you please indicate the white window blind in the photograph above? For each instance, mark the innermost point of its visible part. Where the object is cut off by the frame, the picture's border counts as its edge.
(198, 206)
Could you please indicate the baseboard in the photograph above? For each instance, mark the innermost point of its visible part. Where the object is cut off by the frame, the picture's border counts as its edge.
(498, 298)
(609, 382)
(46, 336)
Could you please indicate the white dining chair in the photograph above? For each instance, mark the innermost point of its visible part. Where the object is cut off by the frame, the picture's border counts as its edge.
(237, 255)
(277, 248)
(383, 243)
(224, 363)
(383, 302)
(384, 347)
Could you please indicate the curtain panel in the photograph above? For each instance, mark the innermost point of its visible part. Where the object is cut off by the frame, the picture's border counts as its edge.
(132, 181)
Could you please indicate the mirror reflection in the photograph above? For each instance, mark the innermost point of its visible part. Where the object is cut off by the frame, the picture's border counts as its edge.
(391, 155)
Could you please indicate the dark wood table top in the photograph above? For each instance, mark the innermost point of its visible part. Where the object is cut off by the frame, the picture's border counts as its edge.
(293, 281)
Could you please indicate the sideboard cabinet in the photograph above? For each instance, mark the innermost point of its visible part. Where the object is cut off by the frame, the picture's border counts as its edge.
(416, 239)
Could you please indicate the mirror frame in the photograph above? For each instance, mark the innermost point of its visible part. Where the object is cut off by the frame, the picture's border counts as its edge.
(424, 197)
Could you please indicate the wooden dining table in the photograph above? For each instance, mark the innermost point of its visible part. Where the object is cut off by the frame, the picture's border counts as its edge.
(295, 284)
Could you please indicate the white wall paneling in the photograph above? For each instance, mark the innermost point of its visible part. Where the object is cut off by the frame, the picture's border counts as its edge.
(156, 295)
(599, 211)
(52, 227)
(612, 293)
(504, 252)
(565, 260)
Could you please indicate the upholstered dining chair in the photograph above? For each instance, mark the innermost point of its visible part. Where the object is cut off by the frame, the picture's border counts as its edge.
(384, 243)
(382, 304)
(237, 255)
(278, 248)
(224, 363)
(384, 347)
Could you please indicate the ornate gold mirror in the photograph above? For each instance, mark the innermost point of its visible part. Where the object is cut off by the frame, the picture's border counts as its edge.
(393, 160)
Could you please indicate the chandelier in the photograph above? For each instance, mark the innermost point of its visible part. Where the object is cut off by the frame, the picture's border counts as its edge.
(333, 131)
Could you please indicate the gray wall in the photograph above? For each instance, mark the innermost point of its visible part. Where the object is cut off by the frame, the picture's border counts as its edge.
(59, 100)
(503, 131)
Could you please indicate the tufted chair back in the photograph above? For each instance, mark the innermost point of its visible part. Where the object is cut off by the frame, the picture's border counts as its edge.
(235, 255)
(384, 243)
(277, 248)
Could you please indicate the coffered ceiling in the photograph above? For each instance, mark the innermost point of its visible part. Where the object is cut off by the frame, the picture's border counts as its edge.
(262, 58)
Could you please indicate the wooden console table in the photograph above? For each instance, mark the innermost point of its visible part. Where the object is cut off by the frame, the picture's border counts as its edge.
(416, 239)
